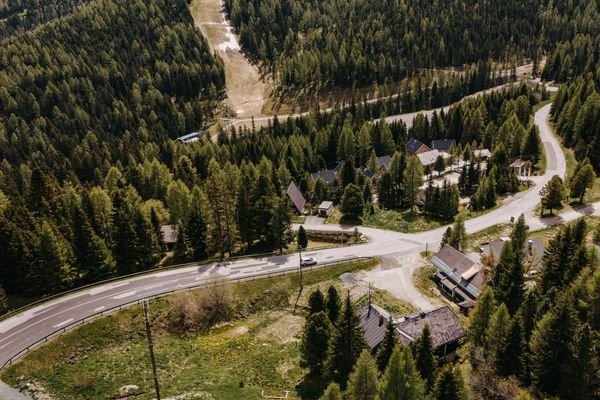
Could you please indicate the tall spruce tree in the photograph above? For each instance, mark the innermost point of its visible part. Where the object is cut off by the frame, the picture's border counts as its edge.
(315, 341)
(316, 302)
(509, 359)
(553, 351)
(347, 342)
(387, 345)
(401, 380)
(425, 358)
(362, 382)
(333, 304)
(196, 234)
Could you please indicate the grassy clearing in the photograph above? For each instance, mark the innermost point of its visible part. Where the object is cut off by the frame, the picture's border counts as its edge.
(236, 360)
(400, 221)
(423, 279)
(386, 300)
(494, 232)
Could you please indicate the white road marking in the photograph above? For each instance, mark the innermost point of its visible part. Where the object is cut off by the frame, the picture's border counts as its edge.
(126, 294)
(99, 309)
(101, 289)
(63, 323)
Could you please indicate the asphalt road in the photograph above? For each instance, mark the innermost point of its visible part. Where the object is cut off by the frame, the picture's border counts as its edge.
(21, 331)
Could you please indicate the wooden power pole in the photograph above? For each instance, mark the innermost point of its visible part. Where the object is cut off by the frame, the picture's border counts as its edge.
(151, 349)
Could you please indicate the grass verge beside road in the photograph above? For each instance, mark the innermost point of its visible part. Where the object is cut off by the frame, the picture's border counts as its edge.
(256, 350)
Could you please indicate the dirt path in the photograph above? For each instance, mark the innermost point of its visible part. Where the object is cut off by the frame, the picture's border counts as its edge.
(245, 89)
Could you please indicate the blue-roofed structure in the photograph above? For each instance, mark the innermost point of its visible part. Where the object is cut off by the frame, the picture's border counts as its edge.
(190, 137)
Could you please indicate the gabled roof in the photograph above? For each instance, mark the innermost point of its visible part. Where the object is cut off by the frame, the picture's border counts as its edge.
(373, 320)
(328, 176)
(296, 197)
(443, 145)
(338, 167)
(190, 137)
(533, 250)
(518, 163)
(429, 157)
(461, 270)
(326, 205)
(413, 145)
(384, 161)
(444, 325)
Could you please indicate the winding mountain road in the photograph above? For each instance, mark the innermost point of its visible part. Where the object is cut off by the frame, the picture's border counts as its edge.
(25, 330)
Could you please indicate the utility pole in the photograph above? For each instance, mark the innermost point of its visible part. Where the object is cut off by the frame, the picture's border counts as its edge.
(151, 348)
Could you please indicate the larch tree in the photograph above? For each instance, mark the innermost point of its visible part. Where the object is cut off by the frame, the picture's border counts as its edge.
(333, 392)
(552, 194)
(401, 380)
(583, 179)
(413, 180)
(450, 385)
(480, 316)
(362, 382)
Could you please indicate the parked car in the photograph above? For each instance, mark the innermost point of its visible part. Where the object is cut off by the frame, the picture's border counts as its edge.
(305, 261)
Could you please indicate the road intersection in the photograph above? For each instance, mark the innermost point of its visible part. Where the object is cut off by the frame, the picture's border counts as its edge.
(26, 329)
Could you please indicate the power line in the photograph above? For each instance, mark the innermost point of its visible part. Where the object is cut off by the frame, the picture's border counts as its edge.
(151, 348)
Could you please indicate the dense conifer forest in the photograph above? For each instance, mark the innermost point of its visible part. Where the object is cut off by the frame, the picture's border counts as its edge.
(357, 43)
(21, 15)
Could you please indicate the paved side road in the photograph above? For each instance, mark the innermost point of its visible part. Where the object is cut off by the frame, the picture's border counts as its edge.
(8, 393)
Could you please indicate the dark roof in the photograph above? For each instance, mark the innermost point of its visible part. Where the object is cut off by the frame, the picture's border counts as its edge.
(296, 197)
(460, 269)
(169, 233)
(534, 250)
(444, 325)
(413, 145)
(443, 145)
(384, 161)
(328, 176)
(373, 320)
(367, 172)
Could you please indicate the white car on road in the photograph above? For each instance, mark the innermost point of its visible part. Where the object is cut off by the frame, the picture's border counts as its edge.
(305, 261)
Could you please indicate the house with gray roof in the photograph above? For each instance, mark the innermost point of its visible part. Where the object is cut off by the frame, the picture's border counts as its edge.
(533, 252)
(328, 176)
(384, 162)
(445, 327)
(443, 146)
(428, 157)
(458, 276)
(413, 146)
(296, 197)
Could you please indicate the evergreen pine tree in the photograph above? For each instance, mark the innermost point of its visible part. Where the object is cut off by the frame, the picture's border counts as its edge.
(347, 342)
(155, 222)
(280, 223)
(425, 358)
(362, 382)
(510, 356)
(182, 249)
(315, 341)
(333, 304)
(450, 385)
(401, 380)
(196, 234)
(387, 345)
(332, 392)
(496, 332)
(553, 353)
(302, 238)
(316, 302)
